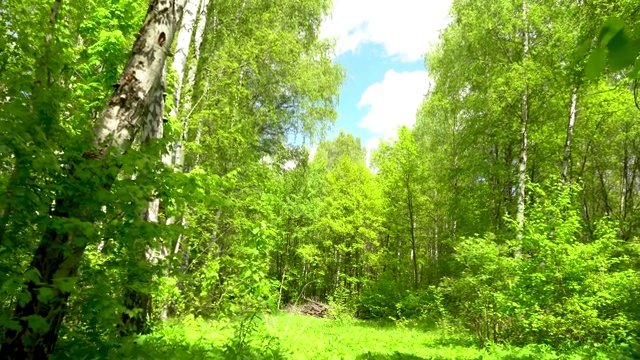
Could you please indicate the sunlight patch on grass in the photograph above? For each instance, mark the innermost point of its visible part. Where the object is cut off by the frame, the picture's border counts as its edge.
(313, 338)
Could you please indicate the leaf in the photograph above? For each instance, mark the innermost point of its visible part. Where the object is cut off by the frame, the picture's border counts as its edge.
(596, 63)
(32, 275)
(610, 29)
(65, 285)
(23, 298)
(37, 323)
(45, 294)
(581, 51)
(622, 51)
(7, 323)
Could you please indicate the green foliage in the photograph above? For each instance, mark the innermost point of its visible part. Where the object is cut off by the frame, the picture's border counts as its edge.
(248, 287)
(239, 347)
(618, 47)
(224, 218)
(341, 305)
(379, 298)
(561, 290)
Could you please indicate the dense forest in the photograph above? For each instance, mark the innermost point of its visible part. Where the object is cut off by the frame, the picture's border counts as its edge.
(157, 175)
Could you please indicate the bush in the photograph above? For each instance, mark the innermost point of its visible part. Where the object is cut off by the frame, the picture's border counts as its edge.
(562, 289)
(379, 298)
(342, 305)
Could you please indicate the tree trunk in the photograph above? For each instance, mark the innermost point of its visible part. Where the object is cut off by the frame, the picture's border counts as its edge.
(138, 302)
(183, 45)
(61, 249)
(198, 21)
(436, 223)
(524, 118)
(566, 158)
(624, 180)
(191, 32)
(190, 75)
(414, 254)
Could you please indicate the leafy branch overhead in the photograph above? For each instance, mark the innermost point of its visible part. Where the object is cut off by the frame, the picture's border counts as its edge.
(617, 46)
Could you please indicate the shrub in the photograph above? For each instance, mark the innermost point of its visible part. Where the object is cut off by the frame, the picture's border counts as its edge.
(563, 289)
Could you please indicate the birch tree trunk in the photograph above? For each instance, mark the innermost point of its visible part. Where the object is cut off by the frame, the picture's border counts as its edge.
(566, 158)
(183, 46)
(199, 22)
(414, 254)
(59, 254)
(437, 223)
(524, 118)
(139, 303)
(179, 65)
(191, 32)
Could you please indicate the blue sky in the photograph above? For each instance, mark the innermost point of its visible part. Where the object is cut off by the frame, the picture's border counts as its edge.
(367, 67)
(381, 44)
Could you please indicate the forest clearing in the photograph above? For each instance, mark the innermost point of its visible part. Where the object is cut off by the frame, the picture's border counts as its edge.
(299, 337)
(317, 179)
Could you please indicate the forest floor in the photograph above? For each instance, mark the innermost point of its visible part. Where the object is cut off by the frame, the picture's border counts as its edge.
(298, 337)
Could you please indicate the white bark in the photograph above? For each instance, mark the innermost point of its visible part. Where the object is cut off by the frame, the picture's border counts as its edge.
(625, 183)
(183, 45)
(437, 223)
(182, 48)
(566, 158)
(153, 129)
(52, 23)
(120, 122)
(338, 262)
(199, 22)
(202, 17)
(196, 20)
(522, 168)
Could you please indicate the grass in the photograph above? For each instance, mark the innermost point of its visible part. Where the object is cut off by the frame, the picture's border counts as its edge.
(312, 338)
(296, 337)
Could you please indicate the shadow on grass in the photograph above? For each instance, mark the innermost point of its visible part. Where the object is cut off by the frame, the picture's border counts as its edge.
(389, 324)
(130, 350)
(157, 350)
(461, 340)
(440, 337)
(395, 356)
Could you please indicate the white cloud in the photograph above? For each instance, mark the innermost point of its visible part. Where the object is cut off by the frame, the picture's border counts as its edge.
(406, 28)
(394, 101)
(372, 143)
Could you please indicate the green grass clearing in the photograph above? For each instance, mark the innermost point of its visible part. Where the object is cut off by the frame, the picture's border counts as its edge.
(297, 337)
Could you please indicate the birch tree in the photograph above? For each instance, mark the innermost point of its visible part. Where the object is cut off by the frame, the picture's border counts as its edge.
(59, 254)
(524, 142)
